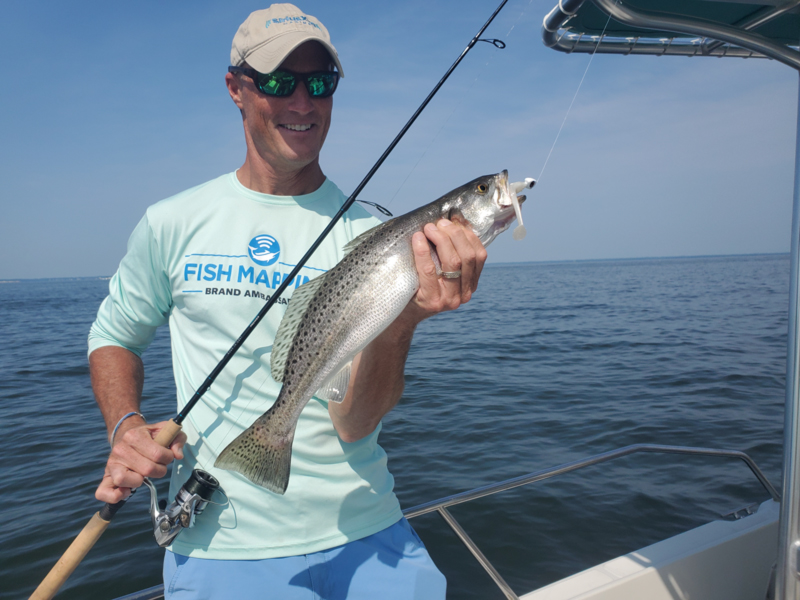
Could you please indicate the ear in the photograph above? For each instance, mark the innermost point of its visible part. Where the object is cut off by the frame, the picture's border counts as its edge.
(234, 85)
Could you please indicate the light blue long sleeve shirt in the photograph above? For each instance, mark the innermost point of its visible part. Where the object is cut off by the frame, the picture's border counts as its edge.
(205, 261)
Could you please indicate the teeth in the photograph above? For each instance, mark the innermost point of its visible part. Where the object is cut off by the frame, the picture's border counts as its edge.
(298, 127)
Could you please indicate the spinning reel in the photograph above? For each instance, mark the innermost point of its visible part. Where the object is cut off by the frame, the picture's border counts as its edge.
(191, 499)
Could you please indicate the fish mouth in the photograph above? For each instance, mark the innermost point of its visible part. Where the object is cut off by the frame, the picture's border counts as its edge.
(504, 195)
(502, 180)
(504, 213)
(507, 215)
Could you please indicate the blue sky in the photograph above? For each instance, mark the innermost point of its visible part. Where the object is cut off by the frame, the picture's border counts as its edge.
(108, 108)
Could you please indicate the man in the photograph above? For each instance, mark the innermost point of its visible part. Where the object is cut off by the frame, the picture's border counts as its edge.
(204, 261)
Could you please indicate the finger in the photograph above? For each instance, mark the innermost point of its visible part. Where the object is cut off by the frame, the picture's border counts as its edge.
(128, 468)
(450, 260)
(426, 269)
(480, 255)
(124, 479)
(142, 440)
(458, 234)
(145, 458)
(177, 446)
(439, 236)
(108, 492)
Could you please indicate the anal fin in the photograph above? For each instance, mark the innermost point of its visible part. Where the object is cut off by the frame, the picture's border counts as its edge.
(335, 388)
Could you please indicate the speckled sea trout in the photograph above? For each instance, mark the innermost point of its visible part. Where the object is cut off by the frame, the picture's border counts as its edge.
(333, 317)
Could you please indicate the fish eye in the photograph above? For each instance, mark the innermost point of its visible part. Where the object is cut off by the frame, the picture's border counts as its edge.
(482, 188)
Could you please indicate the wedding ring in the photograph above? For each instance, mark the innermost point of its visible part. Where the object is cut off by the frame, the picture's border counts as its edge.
(451, 274)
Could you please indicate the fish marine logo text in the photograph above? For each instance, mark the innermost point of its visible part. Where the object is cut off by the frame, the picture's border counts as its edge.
(264, 250)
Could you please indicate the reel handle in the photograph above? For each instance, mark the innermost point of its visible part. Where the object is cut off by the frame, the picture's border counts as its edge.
(87, 538)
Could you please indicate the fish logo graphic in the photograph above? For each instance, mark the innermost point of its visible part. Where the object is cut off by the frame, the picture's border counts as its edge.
(264, 250)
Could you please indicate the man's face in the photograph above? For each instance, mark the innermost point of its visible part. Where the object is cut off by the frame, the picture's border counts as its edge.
(288, 132)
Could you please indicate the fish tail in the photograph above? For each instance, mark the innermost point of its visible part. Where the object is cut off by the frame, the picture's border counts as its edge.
(260, 454)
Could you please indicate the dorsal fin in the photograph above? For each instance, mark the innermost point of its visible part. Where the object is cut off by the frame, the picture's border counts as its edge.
(348, 247)
(288, 328)
(335, 388)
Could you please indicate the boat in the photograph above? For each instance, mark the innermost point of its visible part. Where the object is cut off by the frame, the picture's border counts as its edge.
(754, 552)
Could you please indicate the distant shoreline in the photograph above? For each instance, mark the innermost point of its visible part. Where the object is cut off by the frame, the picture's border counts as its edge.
(489, 264)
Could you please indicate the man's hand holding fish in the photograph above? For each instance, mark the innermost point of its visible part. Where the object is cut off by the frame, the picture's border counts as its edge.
(372, 395)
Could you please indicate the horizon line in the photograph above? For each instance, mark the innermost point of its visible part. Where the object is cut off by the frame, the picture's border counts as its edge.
(488, 264)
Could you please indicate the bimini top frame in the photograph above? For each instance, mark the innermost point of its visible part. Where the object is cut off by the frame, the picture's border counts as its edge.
(573, 26)
(739, 28)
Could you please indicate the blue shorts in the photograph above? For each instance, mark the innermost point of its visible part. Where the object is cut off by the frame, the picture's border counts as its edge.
(392, 564)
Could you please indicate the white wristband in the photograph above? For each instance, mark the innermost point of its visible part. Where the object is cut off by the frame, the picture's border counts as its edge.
(114, 433)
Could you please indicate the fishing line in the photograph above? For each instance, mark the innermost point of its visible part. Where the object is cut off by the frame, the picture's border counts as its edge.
(499, 45)
(591, 58)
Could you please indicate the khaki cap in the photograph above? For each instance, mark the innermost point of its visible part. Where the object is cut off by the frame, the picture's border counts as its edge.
(268, 36)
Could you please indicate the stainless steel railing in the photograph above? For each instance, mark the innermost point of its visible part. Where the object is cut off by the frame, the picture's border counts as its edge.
(442, 505)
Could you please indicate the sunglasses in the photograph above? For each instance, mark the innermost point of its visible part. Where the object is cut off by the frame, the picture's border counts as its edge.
(321, 84)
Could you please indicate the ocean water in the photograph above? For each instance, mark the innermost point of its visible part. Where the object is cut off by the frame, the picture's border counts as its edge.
(549, 363)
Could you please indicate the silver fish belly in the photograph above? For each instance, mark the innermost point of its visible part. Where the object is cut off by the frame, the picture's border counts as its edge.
(333, 317)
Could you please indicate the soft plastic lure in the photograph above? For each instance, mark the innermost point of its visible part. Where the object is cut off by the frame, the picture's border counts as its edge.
(515, 188)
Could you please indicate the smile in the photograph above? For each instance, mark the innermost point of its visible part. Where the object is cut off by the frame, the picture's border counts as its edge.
(297, 127)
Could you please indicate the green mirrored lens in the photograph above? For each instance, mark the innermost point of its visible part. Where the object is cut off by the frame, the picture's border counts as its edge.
(277, 84)
(320, 85)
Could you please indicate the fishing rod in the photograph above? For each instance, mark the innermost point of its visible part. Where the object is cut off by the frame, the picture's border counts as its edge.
(101, 519)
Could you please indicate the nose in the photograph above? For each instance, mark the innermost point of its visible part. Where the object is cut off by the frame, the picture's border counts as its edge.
(300, 101)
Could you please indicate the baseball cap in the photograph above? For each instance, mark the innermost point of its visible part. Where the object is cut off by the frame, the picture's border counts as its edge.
(268, 36)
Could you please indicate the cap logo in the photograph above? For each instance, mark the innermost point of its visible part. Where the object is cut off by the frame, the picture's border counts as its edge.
(304, 20)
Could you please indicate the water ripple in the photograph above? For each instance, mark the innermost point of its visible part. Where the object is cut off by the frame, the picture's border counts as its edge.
(549, 363)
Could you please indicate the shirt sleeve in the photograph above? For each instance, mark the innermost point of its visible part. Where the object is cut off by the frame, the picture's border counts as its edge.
(139, 298)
